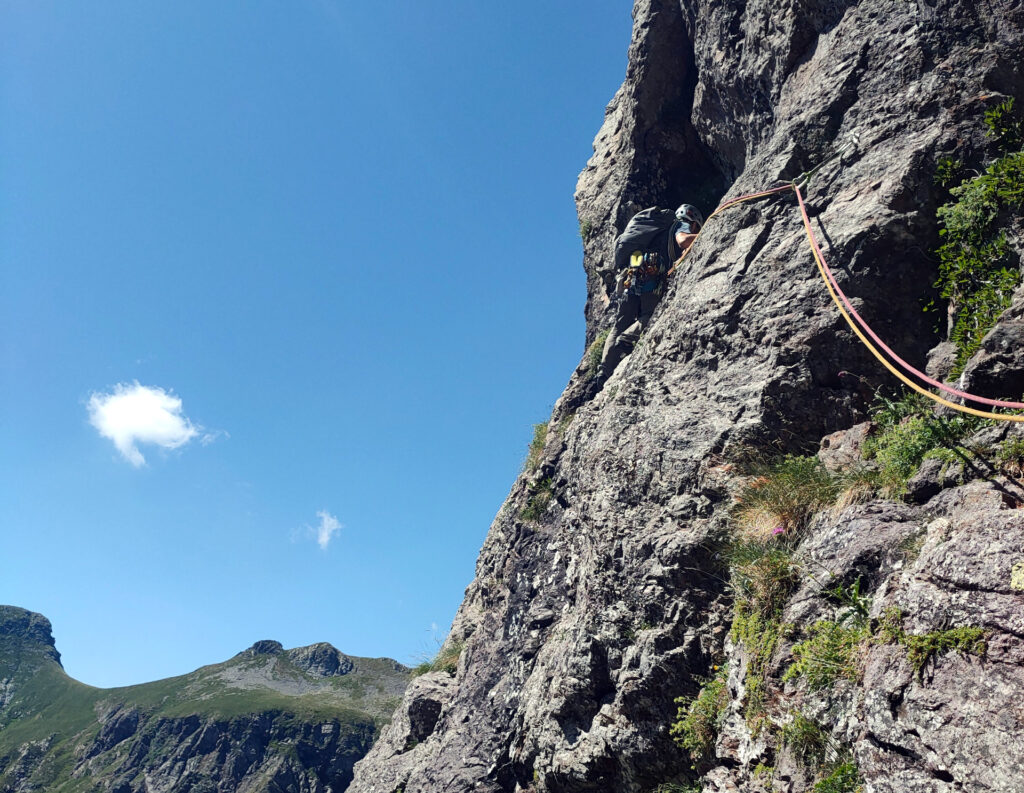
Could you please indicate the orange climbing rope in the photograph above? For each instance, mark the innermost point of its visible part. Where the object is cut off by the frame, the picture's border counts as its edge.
(860, 326)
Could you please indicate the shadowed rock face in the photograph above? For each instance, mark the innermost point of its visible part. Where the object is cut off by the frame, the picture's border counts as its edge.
(581, 627)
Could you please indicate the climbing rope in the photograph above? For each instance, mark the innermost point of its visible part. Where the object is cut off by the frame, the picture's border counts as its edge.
(856, 322)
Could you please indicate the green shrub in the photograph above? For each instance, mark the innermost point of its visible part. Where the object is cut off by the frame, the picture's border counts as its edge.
(762, 575)
(699, 718)
(975, 272)
(586, 227)
(844, 778)
(948, 171)
(540, 496)
(594, 353)
(1010, 457)
(921, 648)
(806, 740)
(899, 453)
(830, 653)
(1004, 126)
(782, 496)
(908, 431)
(536, 448)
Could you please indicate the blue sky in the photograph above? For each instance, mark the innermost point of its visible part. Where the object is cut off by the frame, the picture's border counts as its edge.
(334, 244)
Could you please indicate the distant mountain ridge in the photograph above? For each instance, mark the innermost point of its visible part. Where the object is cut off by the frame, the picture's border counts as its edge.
(269, 718)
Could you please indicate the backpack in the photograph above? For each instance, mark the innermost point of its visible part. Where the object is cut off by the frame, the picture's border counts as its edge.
(647, 240)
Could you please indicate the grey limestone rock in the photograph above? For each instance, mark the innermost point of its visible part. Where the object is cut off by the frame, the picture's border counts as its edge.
(265, 647)
(583, 624)
(843, 449)
(321, 660)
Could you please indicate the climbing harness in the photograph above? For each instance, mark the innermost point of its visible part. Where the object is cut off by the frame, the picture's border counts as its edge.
(856, 322)
(644, 272)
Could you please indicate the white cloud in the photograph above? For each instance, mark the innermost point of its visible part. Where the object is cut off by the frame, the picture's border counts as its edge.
(134, 414)
(329, 526)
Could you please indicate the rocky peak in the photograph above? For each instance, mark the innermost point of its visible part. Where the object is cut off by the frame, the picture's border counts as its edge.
(264, 647)
(321, 660)
(28, 628)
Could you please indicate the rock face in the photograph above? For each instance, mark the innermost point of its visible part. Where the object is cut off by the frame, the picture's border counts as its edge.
(599, 596)
(268, 719)
(28, 630)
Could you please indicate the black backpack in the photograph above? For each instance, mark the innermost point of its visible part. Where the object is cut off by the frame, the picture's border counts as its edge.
(648, 232)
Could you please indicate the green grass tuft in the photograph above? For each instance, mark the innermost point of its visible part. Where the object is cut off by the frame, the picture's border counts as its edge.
(541, 494)
(594, 353)
(536, 448)
(806, 740)
(782, 496)
(1010, 457)
(830, 653)
(844, 778)
(699, 718)
(762, 574)
(446, 660)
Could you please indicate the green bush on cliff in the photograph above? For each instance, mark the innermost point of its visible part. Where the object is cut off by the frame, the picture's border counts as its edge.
(541, 494)
(699, 718)
(976, 272)
(594, 353)
(907, 432)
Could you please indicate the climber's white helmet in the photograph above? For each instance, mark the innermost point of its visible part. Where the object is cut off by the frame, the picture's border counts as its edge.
(690, 214)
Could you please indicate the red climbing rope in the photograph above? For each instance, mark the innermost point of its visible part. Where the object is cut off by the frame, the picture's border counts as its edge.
(857, 323)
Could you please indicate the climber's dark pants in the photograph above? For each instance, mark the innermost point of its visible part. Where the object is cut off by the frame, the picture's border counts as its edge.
(633, 315)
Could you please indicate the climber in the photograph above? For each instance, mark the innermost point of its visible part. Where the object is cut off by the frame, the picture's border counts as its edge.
(653, 240)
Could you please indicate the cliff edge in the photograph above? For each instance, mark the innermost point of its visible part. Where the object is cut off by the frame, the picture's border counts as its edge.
(610, 605)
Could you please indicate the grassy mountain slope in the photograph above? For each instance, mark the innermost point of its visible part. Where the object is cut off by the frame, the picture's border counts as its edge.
(300, 717)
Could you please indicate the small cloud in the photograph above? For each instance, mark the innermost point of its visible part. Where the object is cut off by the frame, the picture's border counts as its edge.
(212, 437)
(135, 414)
(329, 526)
